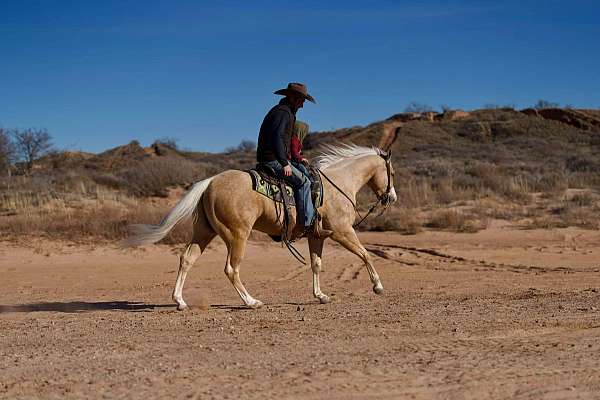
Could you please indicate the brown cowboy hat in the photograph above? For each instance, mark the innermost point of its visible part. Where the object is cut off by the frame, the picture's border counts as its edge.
(295, 88)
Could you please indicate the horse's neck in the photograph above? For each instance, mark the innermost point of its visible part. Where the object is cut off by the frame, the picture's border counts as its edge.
(351, 175)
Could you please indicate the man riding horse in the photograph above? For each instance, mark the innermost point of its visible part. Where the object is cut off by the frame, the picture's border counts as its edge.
(274, 151)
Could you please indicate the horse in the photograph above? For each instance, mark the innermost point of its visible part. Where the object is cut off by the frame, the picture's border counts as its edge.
(226, 205)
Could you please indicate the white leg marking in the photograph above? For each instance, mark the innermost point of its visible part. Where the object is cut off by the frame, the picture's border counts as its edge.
(316, 248)
(186, 261)
(233, 274)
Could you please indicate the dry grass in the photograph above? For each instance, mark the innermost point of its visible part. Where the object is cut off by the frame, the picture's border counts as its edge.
(456, 221)
(450, 175)
(98, 221)
(568, 213)
(401, 220)
(153, 177)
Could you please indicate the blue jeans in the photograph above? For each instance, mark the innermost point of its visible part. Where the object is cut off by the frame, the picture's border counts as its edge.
(302, 168)
(301, 185)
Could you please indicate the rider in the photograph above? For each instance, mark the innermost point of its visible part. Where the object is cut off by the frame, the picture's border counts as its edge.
(274, 150)
(296, 157)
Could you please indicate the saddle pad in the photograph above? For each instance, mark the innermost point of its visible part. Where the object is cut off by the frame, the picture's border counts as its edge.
(269, 187)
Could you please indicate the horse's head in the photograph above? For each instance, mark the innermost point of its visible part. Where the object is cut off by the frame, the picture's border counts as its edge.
(382, 182)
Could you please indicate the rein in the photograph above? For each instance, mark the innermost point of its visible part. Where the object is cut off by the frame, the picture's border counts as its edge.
(380, 199)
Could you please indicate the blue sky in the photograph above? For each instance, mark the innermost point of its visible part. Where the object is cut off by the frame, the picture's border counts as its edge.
(98, 74)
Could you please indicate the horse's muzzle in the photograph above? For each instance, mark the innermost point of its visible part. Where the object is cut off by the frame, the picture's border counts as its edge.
(389, 197)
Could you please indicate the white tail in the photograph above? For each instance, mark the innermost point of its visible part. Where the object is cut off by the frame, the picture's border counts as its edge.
(141, 234)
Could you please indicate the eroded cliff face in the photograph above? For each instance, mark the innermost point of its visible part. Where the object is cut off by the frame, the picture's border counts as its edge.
(587, 120)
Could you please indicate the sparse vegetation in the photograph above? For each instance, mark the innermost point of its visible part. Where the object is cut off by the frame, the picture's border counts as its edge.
(244, 146)
(7, 151)
(456, 175)
(416, 107)
(153, 177)
(542, 104)
(99, 220)
(456, 221)
(30, 144)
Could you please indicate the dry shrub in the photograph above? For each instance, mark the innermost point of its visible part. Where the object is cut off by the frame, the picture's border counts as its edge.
(550, 182)
(495, 209)
(109, 180)
(516, 189)
(153, 177)
(99, 221)
(395, 219)
(415, 193)
(488, 179)
(12, 201)
(487, 175)
(582, 163)
(456, 221)
(583, 199)
(565, 215)
(445, 191)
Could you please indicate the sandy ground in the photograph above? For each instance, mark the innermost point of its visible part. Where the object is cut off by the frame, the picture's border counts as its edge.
(494, 315)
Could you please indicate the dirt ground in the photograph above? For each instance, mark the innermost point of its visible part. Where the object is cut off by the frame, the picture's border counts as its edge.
(500, 314)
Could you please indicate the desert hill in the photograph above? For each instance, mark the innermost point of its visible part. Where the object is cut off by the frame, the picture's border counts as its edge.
(457, 170)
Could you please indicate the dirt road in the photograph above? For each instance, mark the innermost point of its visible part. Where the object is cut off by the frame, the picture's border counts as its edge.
(493, 315)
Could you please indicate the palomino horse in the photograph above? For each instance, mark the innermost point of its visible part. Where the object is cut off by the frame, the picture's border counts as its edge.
(226, 205)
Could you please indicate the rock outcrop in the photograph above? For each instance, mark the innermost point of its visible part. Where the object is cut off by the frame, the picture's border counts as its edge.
(586, 120)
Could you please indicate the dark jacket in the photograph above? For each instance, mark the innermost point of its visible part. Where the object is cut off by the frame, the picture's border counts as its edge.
(275, 136)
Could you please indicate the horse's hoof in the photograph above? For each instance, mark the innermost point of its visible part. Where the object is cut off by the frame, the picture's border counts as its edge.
(324, 299)
(181, 307)
(378, 289)
(256, 305)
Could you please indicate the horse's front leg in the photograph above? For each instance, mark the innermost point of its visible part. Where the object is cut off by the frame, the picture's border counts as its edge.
(315, 247)
(236, 247)
(349, 240)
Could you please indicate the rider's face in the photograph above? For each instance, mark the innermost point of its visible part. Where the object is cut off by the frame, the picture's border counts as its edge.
(297, 102)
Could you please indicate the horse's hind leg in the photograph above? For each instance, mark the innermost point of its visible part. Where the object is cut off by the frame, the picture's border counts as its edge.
(203, 234)
(316, 250)
(349, 240)
(235, 252)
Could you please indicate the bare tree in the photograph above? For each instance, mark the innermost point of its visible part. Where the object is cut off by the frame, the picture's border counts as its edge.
(541, 104)
(245, 145)
(30, 144)
(7, 149)
(416, 107)
(169, 142)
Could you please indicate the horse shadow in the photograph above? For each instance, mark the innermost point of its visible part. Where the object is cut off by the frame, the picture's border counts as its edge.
(81, 306)
(131, 306)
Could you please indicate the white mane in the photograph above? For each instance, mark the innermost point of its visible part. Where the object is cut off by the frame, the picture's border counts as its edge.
(332, 154)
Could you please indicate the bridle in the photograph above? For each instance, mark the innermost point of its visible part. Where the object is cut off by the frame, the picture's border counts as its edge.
(384, 199)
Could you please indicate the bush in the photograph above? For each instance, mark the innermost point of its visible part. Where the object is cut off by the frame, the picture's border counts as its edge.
(7, 150)
(400, 220)
(582, 164)
(416, 107)
(100, 222)
(456, 221)
(541, 104)
(153, 177)
(244, 146)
